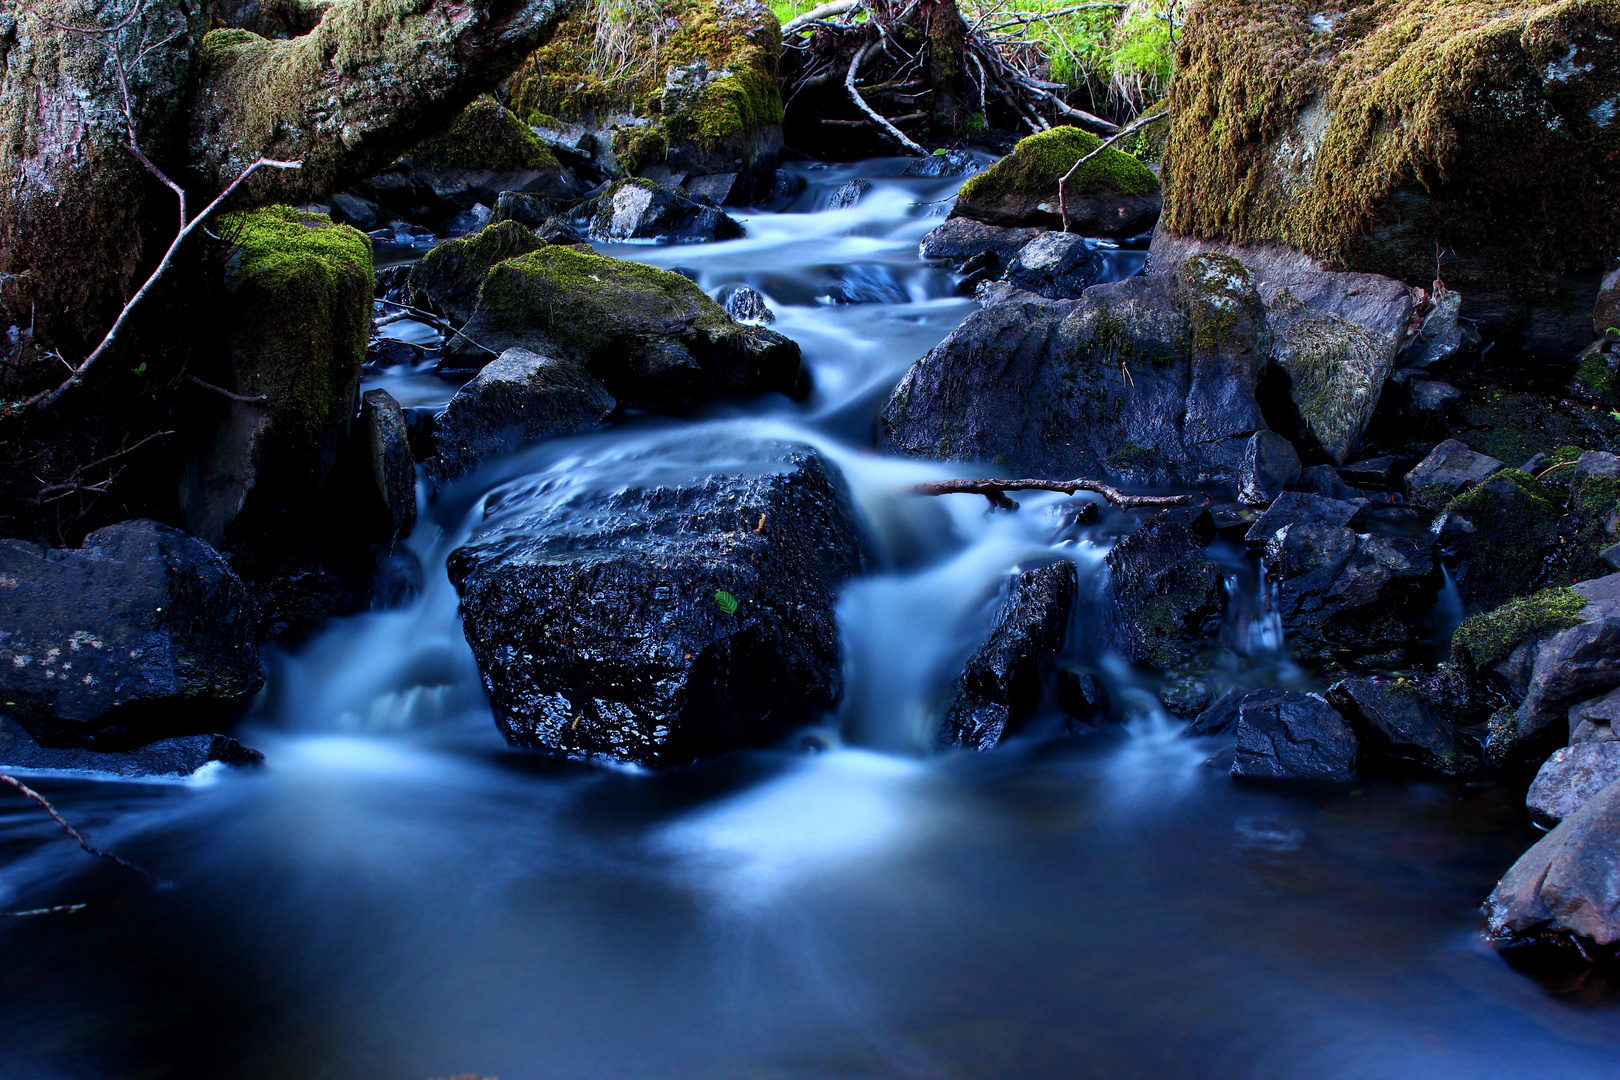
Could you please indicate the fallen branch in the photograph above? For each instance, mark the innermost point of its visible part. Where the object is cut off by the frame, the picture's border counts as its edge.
(816, 14)
(250, 399)
(1135, 125)
(996, 491)
(69, 829)
(1041, 16)
(860, 103)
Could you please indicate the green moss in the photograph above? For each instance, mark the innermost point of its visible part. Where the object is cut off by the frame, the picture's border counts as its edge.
(485, 136)
(744, 101)
(1514, 517)
(1594, 380)
(1513, 426)
(1484, 639)
(301, 306)
(448, 276)
(1037, 164)
(1223, 299)
(638, 147)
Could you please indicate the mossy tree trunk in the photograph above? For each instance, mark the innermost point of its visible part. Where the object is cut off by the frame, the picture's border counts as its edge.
(947, 42)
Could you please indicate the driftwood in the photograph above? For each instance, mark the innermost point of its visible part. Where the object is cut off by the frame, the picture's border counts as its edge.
(996, 491)
(71, 831)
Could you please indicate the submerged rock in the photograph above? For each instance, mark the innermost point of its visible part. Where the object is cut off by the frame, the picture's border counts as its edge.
(1112, 195)
(1394, 720)
(141, 633)
(178, 757)
(748, 306)
(639, 209)
(1058, 266)
(1150, 379)
(1164, 593)
(1000, 685)
(520, 398)
(663, 622)
(1571, 777)
(943, 163)
(848, 194)
(1566, 889)
(652, 337)
(1286, 735)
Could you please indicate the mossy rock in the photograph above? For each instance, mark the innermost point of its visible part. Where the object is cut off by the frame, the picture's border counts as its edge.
(1515, 425)
(1364, 136)
(1498, 537)
(1485, 639)
(651, 336)
(1113, 194)
(448, 277)
(300, 291)
(489, 136)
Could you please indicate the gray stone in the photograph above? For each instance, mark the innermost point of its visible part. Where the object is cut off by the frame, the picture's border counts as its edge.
(948, 163)
(1000, 685)
(1056, 265)
(1164, 593)
(961, 239)
(1574, 663)
(1593, 720)
(1270, 467)
(748, 306)
(1449, 469)
(1595, 463)
(1378, 472)
(519, 398)
(638, 209)
(1285, 735)
(448, 277)
(1440, 337)
(142, 633)
(849, 193)
(393, 467)
(716, 187)
(1394, 721)
(356, 210)
(178, 757)
(1430, 398)
(1606, 315)
(1301, 508)
(1569, 778)
(1325, 481)
(1567, 887)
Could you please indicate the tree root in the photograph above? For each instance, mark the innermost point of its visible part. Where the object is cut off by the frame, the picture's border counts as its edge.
(996, 491)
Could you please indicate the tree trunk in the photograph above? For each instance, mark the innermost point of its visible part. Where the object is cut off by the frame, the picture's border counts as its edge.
(947, 37)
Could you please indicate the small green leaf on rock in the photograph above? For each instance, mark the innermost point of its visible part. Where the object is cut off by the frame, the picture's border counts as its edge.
(727, 602)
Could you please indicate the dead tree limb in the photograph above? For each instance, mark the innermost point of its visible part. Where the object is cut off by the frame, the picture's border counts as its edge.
(996, 491)
(248, 399)
(1135, 125)
(70, 830)
(860, 103)
(816, 14)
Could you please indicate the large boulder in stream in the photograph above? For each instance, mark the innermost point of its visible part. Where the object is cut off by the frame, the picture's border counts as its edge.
(448, 277)
(1151, 380)
(664, 620)
(638, 209)
(1113, 194)
(141, 633)
(1287, 735)
(1382, 138)
(1566, 889)
(652, 337)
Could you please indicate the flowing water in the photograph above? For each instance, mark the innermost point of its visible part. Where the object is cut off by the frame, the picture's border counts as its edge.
(397, 895)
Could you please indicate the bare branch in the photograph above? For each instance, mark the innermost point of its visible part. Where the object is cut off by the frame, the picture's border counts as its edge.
(816, 14)
(69, 829)
(860, 102)
(1135, 125)
(250, 399)
(996, 491)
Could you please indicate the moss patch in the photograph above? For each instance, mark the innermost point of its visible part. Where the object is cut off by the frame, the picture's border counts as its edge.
(1515, 517)
(448, 276)
(1484, 639)
(485, 136)
(1037, 164)
(1513, 426)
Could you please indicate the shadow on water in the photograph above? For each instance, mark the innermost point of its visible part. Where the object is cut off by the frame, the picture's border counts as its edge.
(397, 895)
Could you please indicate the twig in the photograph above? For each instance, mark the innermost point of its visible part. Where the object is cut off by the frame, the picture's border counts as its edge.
(1135, 125)
(816, 14)
(1040, 16)
(860, 102)
(250, 399)
(995, 491)
(59, 909)
(69, 829)
(439, 323)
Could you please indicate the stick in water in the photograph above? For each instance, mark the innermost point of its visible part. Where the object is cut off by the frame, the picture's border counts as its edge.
(996, 491)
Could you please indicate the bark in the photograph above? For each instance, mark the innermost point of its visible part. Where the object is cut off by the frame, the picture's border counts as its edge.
(947, 40)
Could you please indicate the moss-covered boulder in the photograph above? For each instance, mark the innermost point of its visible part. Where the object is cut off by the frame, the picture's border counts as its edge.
(652, 337)
(1113, 194)
(1498, 536)
(299, 311)
(1370, 136)
(673, 89)
(448, 277)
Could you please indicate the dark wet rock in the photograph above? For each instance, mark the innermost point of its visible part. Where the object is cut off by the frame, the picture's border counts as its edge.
(1113, 194)
(1000, 685)
(1218, 717)
(1395, 721)
(469, 220)
(1346, 597)
(518, 399)
(387, 444)
(638, 209)
(1450, 469)
(1324, 481)
(389, 352)
(1496, 538)
(141, 633)
(1441, 336)
(1569, 778)
(1286, 735)
(652, 337)
(1566, 888)
(1427, 399)
(1301, 508)
(1594, 720)
(536, 212)
(1606, 315)
(1150, 380)
(1165, 594)
(961, 239)
(396, 578)
(356, 210)
(178, 757)
(849, 193)
(447, 278)
(1080, 693)
(1567, 663)
(1379, 472)
(943, 163)
(1055, 265)
(663, 623)
(1270, 467)
(748, 306)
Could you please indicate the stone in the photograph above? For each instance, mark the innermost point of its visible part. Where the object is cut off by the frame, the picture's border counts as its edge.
(942, 164)
(392, 470)
(448, 277)
(1270, 467)
(652, 337)
(638, 209)
(1219, 717)
(748, 306)
(1378, 472)
(1000, 685)
(1594, 720)
(1440, 336)
(1058, 266)
(1569, 778)
(1430, 398)
(1287, 735)
(539, 212)
(1080, 694)
(961, 239)
(662, 622)
(1324, 481)
(848, 194)
(1302, 508)
(1348, 597)
(1164, 595)
(716, 188)
(355, 210)
(142, 633)
(1113, 194)
(1566, 888)
(1496, 537)
(1150, 380)
(180, 757)
(1606, 312)
(518, 399)
(1394, 721)
(1573, 662)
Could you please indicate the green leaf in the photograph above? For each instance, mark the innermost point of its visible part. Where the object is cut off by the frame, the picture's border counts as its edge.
(727, 602)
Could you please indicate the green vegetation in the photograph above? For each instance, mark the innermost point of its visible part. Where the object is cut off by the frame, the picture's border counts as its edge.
(1484, 639)
(1038, 162)
(485, 136)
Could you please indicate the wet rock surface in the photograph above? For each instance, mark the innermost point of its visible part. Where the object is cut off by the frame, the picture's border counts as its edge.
(1165, 594)
(1567, 887)
(660, 623)
(1450, 469)
(960, 240)
(1112, 195)
(1287, 735)
(141, 633)
(1058, 266)
(1396, 723)
(1270, 467)
(177, 758)
(391, 465)
(639, 209)
(1568, 779)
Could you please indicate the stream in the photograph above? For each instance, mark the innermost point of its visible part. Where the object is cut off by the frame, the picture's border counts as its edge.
(398, 895)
